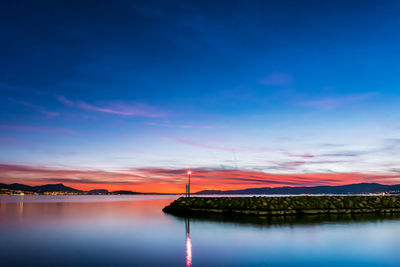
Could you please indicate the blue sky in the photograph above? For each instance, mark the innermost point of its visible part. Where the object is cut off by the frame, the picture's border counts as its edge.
(268, 86)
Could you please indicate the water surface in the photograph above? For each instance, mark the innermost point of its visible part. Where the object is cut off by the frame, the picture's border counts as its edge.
(132, 230)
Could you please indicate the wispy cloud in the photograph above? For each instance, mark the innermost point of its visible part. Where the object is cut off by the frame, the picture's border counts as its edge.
(65, 101)
(220, 148)
(36, 129)
(300, 155)
(118, 108)
(342, 154)
(277, 79)
(334, 102)
(231, 178)
(196, 126)
(293, 165)
(37, 108)
(151, 123)
(184, 126)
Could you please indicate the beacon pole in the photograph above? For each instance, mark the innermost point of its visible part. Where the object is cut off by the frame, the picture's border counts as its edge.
(189, 173)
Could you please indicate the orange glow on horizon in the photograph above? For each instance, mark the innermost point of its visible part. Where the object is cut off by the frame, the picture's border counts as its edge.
(161, 180)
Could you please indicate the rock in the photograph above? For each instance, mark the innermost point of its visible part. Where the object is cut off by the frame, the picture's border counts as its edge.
(286, 205)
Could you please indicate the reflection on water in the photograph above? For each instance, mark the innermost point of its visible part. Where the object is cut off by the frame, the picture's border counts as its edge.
(291, 220)
(188, 243)
(132, 230)
(21, 209)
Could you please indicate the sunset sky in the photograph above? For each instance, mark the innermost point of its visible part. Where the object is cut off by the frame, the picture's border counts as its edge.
(130, 94)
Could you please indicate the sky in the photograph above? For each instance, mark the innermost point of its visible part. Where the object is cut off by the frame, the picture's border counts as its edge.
(128, 95)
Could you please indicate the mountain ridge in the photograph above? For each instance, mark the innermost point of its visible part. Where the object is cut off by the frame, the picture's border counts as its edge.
(62, 188)
(288, 190)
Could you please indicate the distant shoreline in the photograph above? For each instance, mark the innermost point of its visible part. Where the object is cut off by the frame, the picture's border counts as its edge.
(82, 194)
(60, 189)
(350, 189)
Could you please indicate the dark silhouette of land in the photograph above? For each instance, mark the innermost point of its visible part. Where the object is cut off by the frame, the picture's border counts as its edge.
(40, 188)
(362, 188)
(58, 188)
(342, 189)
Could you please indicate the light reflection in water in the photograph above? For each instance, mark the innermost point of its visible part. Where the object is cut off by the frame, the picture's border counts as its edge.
(188, 244)
(21, 210)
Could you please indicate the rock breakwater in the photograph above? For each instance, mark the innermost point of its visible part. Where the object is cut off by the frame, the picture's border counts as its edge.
(288, 205)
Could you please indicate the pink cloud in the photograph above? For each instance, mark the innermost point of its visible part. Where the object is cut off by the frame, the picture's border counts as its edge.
(173, 180)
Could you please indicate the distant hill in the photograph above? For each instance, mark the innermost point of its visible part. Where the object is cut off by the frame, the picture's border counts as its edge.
(124, 192)
(54, 188)
(40, 188)
(17, 187)
(344, 189)
(62, 188)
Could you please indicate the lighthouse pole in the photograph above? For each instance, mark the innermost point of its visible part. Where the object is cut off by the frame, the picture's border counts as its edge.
(189, 174)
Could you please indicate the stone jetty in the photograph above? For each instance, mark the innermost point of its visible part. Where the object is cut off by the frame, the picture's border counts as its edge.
(287, 205)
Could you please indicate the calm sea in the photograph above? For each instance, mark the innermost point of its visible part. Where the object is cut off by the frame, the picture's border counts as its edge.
(133, 231)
